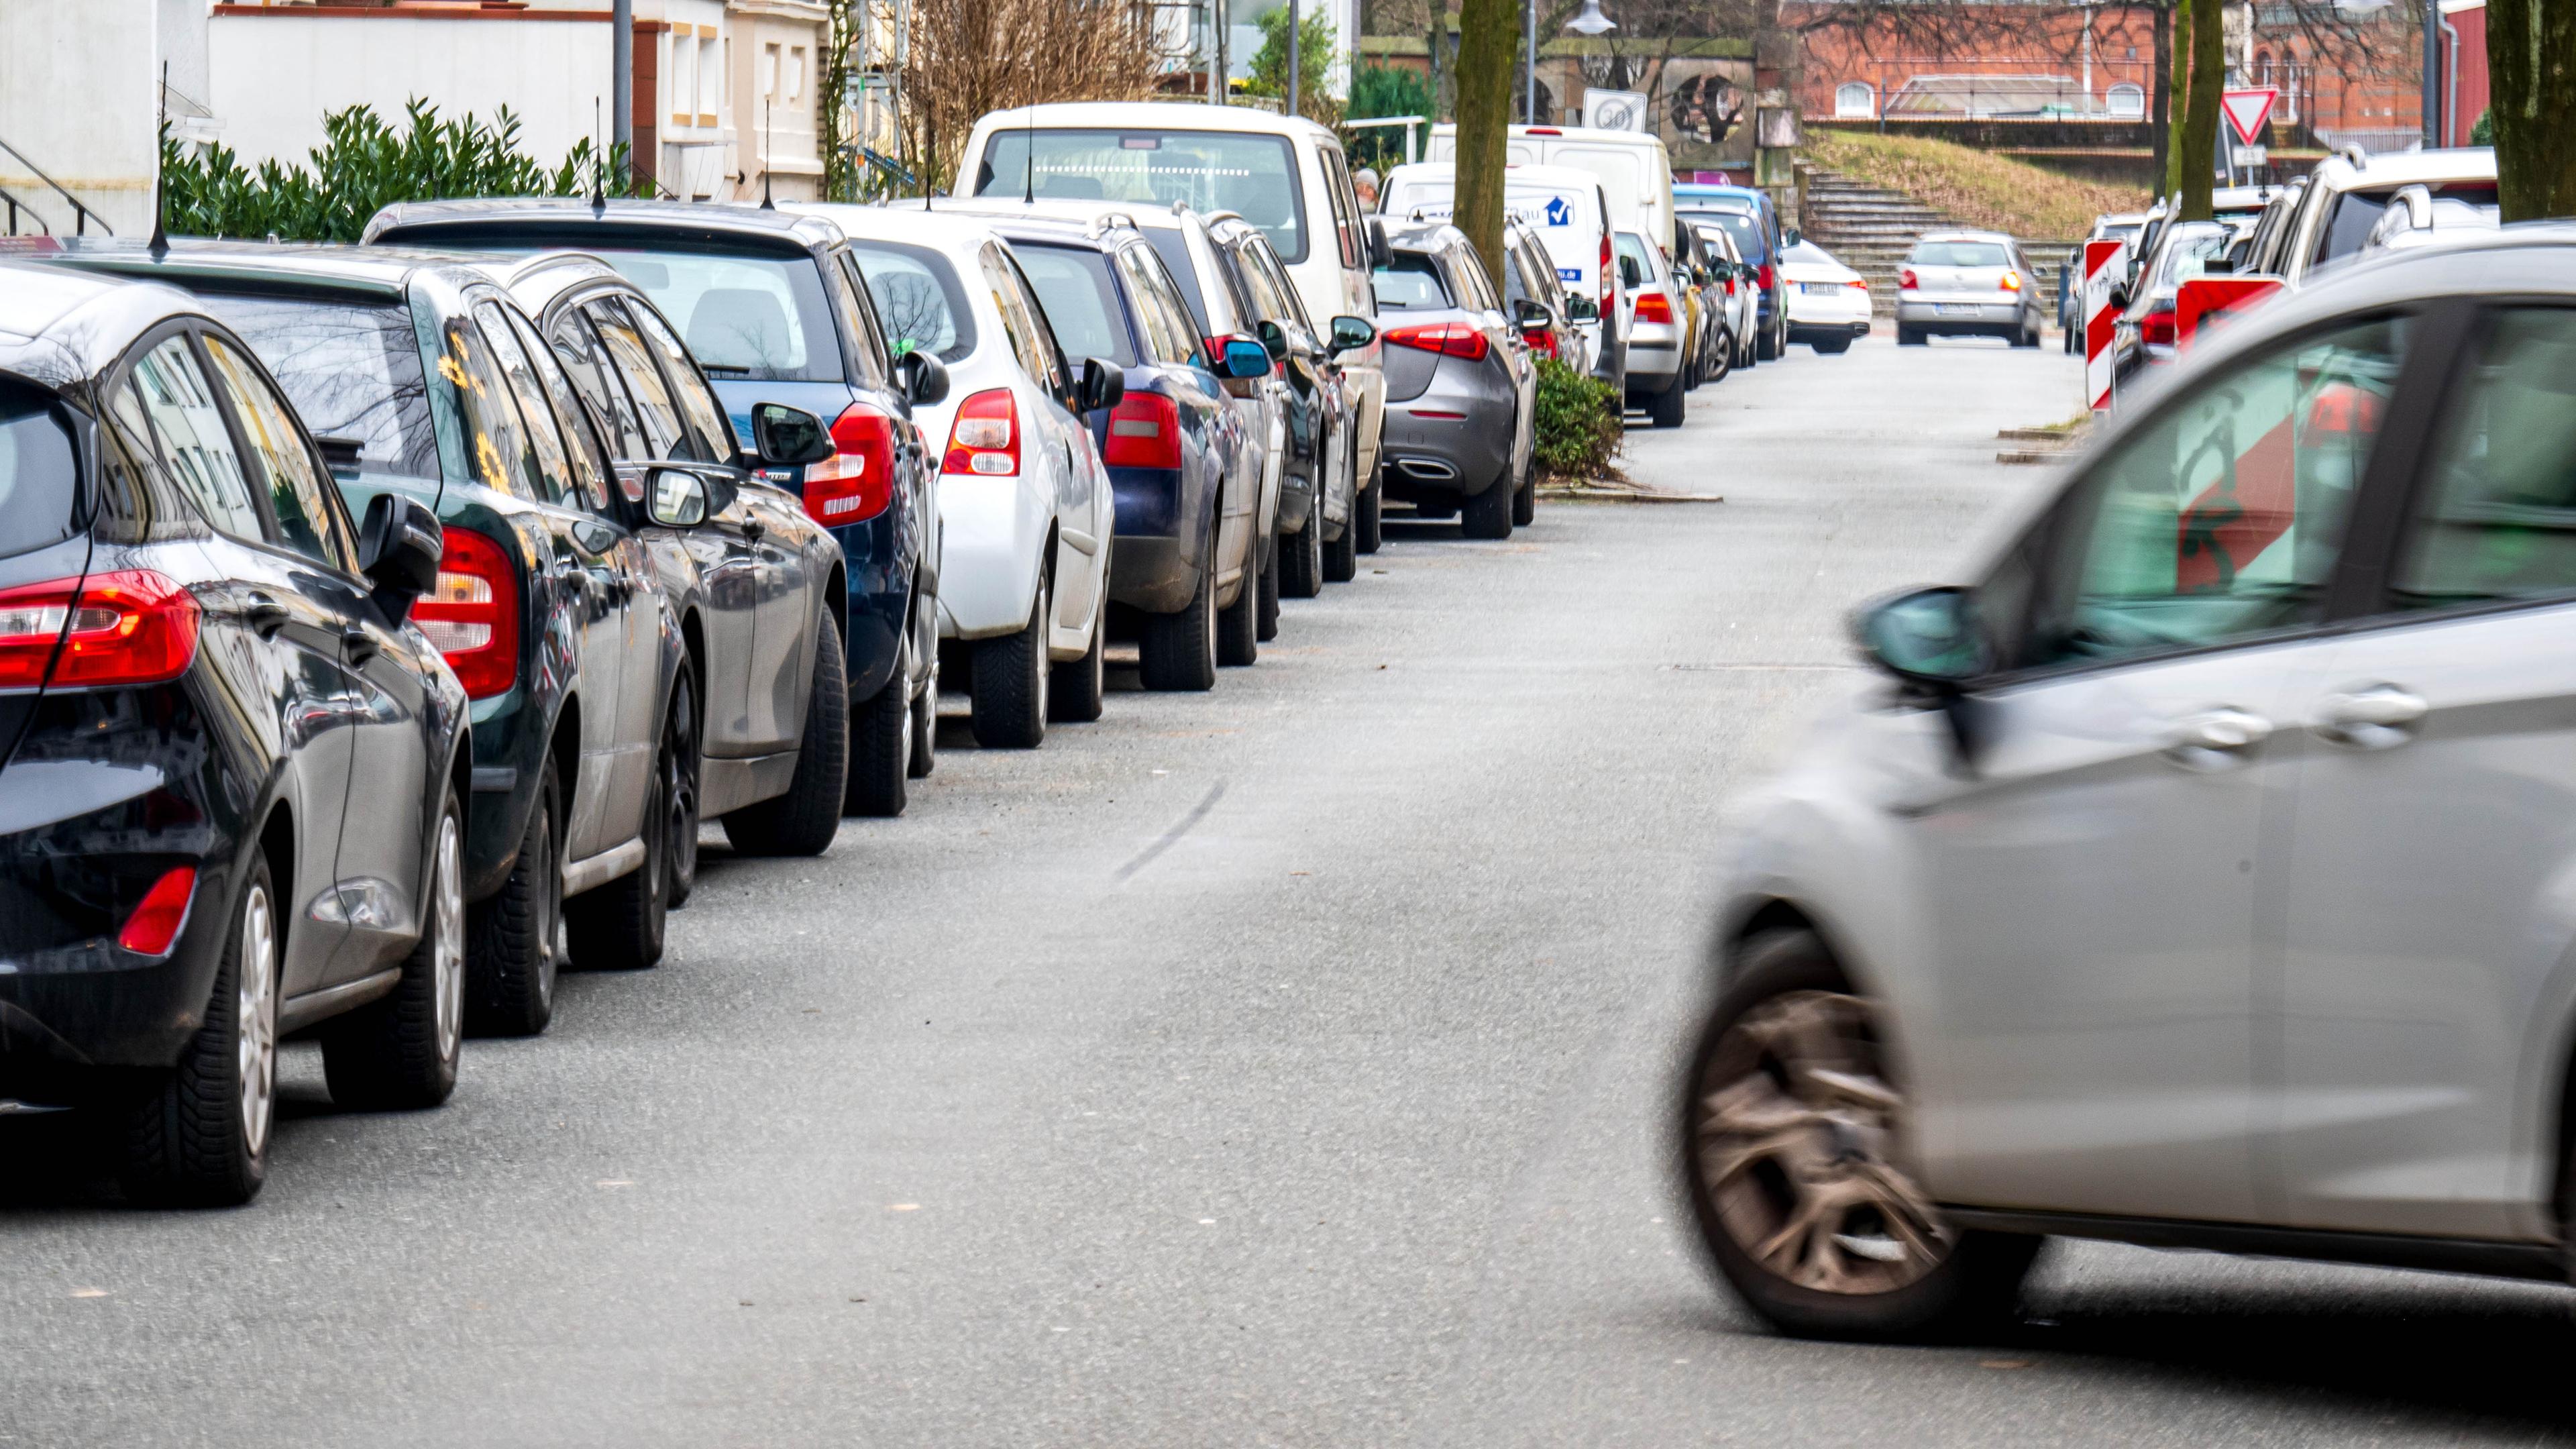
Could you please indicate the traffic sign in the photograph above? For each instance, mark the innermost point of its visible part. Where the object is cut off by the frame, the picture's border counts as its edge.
(2248, 111)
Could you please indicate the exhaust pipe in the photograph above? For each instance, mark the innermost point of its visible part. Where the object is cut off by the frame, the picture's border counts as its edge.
(1430, 470)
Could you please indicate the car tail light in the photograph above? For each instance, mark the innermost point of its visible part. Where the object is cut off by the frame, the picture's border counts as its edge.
(1730, 284)
(857, 482)
(2011, 281)
(1542, 340)
(2157, 326)
(1651, 307)
(985, 438)
(132, 626)
(1908, 280)
(1605, 274)
(472, 613)
(1450, 339)
(1144, 432)
(1857, 282)
(1766, 276)
(156, 922)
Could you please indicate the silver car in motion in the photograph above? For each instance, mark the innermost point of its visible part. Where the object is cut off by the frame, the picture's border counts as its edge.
(2202, 871)
(1967, 284)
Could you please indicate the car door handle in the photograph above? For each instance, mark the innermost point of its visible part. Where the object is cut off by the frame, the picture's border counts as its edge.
(753, 528)
(2216, 739)
(358, 646)
(2373, 718)
(265, 616)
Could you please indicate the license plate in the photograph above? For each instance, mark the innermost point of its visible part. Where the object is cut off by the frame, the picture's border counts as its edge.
(1818, 289)
(1955, 309)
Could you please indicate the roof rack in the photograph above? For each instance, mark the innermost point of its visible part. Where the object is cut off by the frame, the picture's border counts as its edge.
(2353, 153)
(1110, 220)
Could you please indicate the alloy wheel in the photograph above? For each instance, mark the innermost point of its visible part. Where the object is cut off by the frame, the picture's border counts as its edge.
(255, 1015)
(447, 963)
(680, 787)
(1794, 1131)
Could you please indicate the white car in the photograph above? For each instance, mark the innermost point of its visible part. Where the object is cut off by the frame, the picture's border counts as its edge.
(1828, 302)
(1026, 514)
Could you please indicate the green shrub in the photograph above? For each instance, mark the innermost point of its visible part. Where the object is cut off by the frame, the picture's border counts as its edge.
(1578, 423)
(1384, 91)
(363, 164)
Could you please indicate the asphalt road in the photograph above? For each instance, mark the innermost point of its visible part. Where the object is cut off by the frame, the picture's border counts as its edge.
(1289, 1065)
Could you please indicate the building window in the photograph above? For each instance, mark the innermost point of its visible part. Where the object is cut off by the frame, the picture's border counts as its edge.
(2126, 102)
(795, 73)
(684, 82)
(769, 71)
(1855, 98)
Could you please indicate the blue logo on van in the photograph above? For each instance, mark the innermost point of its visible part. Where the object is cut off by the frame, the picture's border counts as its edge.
(1558, 212)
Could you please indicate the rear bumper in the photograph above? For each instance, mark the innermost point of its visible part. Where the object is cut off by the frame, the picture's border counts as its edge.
(1456, 438)
(882, 558)
(991, 533)
(1933, 316)
(1809, 331)
(1654, 351)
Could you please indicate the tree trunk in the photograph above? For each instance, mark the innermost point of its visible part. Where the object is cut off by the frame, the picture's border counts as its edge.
(2531, 64)
(2161, 109)
(2177, 60)
(1488, 33)
(2200, 118)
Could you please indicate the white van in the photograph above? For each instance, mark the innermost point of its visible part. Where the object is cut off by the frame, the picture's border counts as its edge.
(1634, 164)
(1569, 209)
(1284, 174)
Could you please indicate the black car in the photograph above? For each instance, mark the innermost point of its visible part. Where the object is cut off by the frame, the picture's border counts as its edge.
(774, 309)
(233, 776)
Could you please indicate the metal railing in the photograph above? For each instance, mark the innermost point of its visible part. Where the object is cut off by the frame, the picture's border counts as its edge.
(82, 216)
(15, 205)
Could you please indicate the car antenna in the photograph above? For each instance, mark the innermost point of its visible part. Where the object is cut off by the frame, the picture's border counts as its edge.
(765, 203)
(160, 244)
(1029, 134)
(598, 164)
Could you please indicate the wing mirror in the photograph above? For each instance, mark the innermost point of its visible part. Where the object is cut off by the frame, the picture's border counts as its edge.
(1631, 275)
(1104, 383)
(1791, 237)
(925, 379)
(399, 546)
(1352, 333)
(1245, 358)
(676, 498)
(1274, 339)
(1531, 316)
(786, 437)
(1928, 637)
(1580, 308)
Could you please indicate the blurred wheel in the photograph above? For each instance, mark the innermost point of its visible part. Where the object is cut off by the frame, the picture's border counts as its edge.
(1368, 516)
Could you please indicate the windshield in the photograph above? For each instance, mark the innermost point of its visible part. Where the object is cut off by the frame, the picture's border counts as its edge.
(2187, 250)
(1410, 281)
(918, 299)
(1958, 254)
(2356, 212)
(39, 472)
(760, 316)
(1080, 299)
(1252, 175)
(353, 371)
(1744, 230)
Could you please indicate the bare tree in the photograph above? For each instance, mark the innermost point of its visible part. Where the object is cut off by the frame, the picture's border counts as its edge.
(968, 57)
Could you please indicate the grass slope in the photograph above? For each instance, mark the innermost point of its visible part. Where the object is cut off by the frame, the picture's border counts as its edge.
(1978, 187)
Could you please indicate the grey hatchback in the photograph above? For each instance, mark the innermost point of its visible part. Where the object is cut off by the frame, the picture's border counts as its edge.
(1460, 382)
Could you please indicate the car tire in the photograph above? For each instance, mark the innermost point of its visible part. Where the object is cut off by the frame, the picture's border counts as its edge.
(1178, 651)
(618, 926)
(882, 742)
(1081, 685)
(1665, 408)
(923, 755)
(804, 819)
(1525, 497)
(1266, 612)
(399, 1051)
(1368, 517)
(682, 799)
(1341, 555)
(1723, 361)
(1923, 1279)
(199, 1136)
(514, 939)
(1488, 515)
(1008, 683)
(1908, 336)
(1833, 346)
(1301, 558)
(1238, 625)
(2026, 337)
(1768, 342)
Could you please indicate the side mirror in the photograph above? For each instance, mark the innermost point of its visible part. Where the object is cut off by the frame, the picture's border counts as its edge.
(340, 455)
(925, 379)
(1530, 315)
(676, 498)
(1245, 359)
(1352, 333)
(399, 546)
(1631, 275)
(1104, 383)
(788, 437)
(1927, 637)
(1791, 237)
(1580, 308)
(1274, 339)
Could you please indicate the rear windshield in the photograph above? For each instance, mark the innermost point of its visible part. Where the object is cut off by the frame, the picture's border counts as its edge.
(1174, 249)
(1080, 299)
(2187, 250)
(1249, 174)
(1958, 254)
(39, 472)
(1807, 252)
(2356, 212)
(760, 316)
(1745, 230)
(352, 369)
(1411, 280)
(919, 300)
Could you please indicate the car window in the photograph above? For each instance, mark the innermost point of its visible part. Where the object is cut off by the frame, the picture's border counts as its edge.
(1161, 338)
(1265, 260)
(595, 379)
(1958, 254)
(1345, 204)
(1744, 230)
(301, 496)
(2222, 518)
(2496, 516)
(545, 435)
(581, 441)
(39, 472)
(698, 406)
(1081, 301)
(1236, 275)
(501, 454)
(169, 403)
(762, 316)
(918, 298)
(1173, 245)
(1252, 175)
(352, 370)
(664, 433)
(1474, 286)
(1409, 281)
(1029, 343)
(857, 311)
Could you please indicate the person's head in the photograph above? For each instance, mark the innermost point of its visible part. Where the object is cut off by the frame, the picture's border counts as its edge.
(1364, 181)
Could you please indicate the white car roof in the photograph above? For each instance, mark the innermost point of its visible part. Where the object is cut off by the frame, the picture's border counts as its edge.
(899, 221)
(2397, 168)
(1564, 178)
(1996, 237)
(1155, 115)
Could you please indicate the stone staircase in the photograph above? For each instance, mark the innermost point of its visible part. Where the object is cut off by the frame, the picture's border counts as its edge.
(1870, 230)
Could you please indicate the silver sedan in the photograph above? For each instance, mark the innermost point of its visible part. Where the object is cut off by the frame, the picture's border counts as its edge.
(1967, 284)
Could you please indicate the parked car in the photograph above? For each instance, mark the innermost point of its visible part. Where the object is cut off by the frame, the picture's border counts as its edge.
(1530, 276)
(1829, 305)
(1742, 292)
(1966, 284)
(202, 655)
(1753, 220)
(1461, 390)
(1569, 209)
(1284, 174)
(2263, 250)
(1699, 284)
(771, 308)
(2196, 879)
(2144, 334)
(1185, 566)
(1635, 168)
(1656, 329)
(1025, 506)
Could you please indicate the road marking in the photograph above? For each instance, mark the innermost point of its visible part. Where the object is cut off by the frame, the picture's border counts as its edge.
(1172, 836)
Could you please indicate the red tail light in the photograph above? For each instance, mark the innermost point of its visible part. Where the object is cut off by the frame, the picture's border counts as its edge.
(1651, 307)
(2158, 325)
(1541, 131)
(1766, 276)
(1144, 432)
(856, 483)
(1450, 339)
(132, 626)
(1606, 274)
(1906, 279)
(1857, 282)
(2011, 281)
(156, 922)
(1542, 340)
(472, 613)
(985, 439)
(1730, 284)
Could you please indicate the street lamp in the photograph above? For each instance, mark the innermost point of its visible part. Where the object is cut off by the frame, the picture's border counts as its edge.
(1591, 21)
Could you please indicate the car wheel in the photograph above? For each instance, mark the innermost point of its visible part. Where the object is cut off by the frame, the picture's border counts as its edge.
(1794, 1145)
(1488, 515)
(399, 1051)
(1301, 557)
(514, 940)
(1178, 651)
(1081, 684)
(686, 759)
(200, 1137)
(1722, 361)
(1908, 336)
(1525, 497)
(1238, 625)
(1368, 516)
(1767, 342)
(618, 926)
(1008, 683)
(1266, 612)
(1831, 346)
(882, 741)
(804, 820)
(923, 755)
(1665, 408)
(1341, 555)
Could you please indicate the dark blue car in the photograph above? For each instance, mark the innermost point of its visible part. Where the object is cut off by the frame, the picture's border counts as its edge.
(774, 309)
(1753, 220)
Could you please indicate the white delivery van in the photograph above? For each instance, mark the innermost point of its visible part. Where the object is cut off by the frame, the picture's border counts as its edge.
(1634, 164)
(1570, 209)
(1284, 174)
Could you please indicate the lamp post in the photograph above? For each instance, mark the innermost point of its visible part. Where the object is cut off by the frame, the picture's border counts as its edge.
(621, 82)
(1592, 23)
(1529, 69)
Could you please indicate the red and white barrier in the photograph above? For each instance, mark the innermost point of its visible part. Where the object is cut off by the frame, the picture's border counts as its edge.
(2203, 300)
(2105, 264)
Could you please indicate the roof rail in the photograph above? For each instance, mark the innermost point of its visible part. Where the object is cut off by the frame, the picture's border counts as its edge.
(1111, 219)
(2353, 153)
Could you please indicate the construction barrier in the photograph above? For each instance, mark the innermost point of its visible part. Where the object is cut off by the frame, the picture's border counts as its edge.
(2106, 265)
(2204, 300)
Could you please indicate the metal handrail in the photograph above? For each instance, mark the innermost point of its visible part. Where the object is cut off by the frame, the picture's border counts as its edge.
(82, 216)
(15, 205)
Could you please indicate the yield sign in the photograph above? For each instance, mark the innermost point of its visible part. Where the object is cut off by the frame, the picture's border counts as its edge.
(2247, 111)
